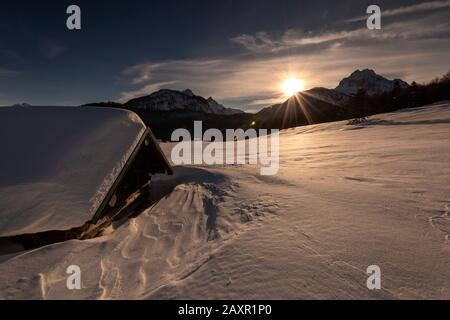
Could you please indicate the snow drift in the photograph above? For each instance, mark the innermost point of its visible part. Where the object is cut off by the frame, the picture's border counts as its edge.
(346, 197)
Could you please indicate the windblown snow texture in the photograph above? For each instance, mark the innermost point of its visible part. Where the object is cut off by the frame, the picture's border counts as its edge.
(347, 196)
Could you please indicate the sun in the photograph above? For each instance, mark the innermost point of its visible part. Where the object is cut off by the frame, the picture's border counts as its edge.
(292, 86)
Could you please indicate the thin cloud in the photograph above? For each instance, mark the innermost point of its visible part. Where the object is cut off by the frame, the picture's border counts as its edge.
(256, 81)
(416, 48)
(430, 27)
(259, 41)
(226, 78)
(146, 90)
(421, 7)
(265, 102)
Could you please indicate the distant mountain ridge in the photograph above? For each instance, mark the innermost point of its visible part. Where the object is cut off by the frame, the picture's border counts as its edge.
(171, 100)
(328, 95)
(319, 104)
(312, 106)
(166, 100)
(361, 94)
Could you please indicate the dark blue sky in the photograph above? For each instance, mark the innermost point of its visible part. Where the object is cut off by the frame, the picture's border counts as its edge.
(237, 51)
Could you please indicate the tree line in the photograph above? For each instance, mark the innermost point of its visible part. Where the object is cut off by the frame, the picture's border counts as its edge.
(416, 95)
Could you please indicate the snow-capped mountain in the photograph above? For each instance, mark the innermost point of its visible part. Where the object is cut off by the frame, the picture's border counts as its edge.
(323, 105)
(369, 81)
(172, 100)
(366, 80)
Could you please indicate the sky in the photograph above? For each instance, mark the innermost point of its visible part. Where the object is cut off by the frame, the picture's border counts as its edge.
(238, 52)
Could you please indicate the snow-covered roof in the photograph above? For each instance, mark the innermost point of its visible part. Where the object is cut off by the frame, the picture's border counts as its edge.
(58, 163)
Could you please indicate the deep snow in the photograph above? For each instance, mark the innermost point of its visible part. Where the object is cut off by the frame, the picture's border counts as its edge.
(346, 197)
(58, 163)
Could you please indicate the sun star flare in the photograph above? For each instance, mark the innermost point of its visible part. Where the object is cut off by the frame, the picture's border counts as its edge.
(292, 86)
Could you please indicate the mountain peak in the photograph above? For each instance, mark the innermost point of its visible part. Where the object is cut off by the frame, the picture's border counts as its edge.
(369, 81)
(220, 109)
(189, 92)
(363, 72)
